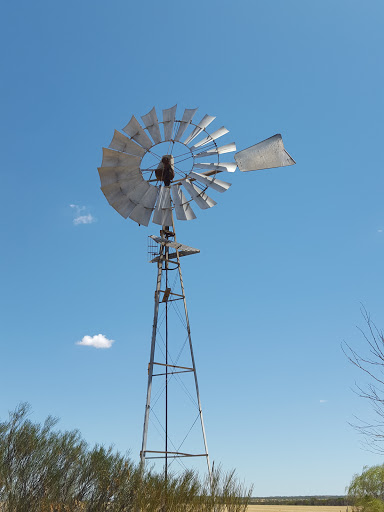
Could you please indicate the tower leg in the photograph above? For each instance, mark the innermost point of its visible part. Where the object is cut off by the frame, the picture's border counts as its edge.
(151, 359)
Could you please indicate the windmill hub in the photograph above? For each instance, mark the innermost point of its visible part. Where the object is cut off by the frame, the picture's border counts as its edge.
(165, 171)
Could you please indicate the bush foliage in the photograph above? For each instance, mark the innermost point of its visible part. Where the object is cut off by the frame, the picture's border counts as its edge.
(45, 470)
(366, 491)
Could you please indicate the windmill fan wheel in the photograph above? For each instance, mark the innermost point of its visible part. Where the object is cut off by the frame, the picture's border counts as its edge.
(137, 191)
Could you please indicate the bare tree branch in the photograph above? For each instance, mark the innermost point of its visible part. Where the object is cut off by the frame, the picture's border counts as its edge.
(373, 366)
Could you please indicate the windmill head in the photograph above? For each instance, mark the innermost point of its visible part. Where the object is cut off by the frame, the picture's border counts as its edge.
(141, 193)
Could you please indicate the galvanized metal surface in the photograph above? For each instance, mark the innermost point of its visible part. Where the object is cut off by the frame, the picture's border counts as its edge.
(221, 167)
(267, 154)
(169, 115)
(163, 212)
(152, 124)
(112, 193)
(151, 360)
(182, 208)
(138, 192)
(166, 241)
(150, 197)
(174, 244)
(213, 136)
(125, 187)
(124, 206)
(185, 122)
(219, 185)
(109, 175)
(177, 454)
(113, 158)
(128, 185)
(145, 204)
(137, 133)
(121, 143)
(173, 255)
(202, 200)
(199, 128)
(141, 214)
(227, 148)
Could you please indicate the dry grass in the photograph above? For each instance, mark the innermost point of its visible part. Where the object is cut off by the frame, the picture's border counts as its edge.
(296, 508)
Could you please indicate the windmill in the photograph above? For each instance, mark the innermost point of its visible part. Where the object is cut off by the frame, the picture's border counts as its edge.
(146, 174)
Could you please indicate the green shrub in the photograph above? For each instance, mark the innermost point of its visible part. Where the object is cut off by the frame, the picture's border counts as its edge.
(366, 491)
(44, 470)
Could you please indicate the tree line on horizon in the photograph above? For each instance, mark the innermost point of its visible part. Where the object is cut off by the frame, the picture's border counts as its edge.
(327, 501)
(46, 470)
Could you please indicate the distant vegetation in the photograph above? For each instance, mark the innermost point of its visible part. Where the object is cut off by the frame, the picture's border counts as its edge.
(44, 470)
(327, 501)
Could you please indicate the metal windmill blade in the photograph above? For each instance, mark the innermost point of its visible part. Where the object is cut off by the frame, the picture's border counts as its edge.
(220, 186)
(199, 128)
(169, 116)
(136, 132)
(182, 207)
(185, 122)
(152, 124)
(214, 136)
(214, 168)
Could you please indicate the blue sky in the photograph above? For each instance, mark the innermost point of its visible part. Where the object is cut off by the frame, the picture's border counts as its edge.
(287, 255)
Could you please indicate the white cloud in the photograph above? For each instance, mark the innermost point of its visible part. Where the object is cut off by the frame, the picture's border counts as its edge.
(379, 230)
(81, 217)
(97, 341)
(323, 401)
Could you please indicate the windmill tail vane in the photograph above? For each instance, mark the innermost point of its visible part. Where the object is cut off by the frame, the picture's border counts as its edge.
(148, 173)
